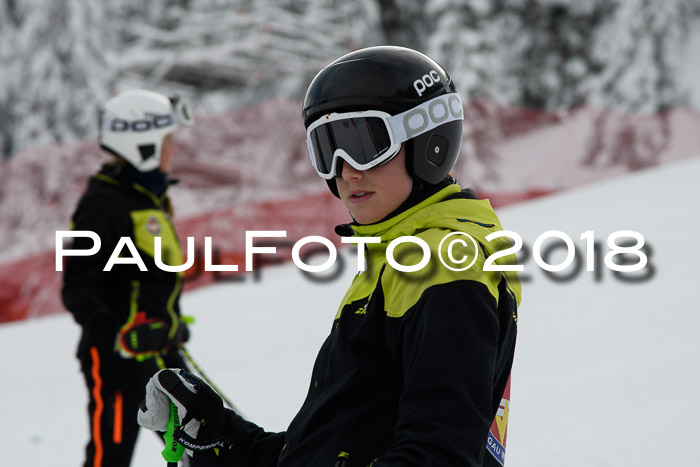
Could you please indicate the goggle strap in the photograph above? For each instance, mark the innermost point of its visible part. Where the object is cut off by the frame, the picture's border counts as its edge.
(426, 116)
(155, 123)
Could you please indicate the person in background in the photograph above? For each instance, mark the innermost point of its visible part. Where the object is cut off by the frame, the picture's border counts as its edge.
(418, 360)
(129, 313)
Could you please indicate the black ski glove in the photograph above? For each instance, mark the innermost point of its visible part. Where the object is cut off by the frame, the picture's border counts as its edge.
(197, 404)
(143, 337)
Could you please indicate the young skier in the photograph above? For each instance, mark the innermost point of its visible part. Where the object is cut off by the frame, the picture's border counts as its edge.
(416, 363)
(130, 318)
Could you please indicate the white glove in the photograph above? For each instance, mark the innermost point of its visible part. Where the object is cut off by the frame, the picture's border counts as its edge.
(195, 401)
(167, 385)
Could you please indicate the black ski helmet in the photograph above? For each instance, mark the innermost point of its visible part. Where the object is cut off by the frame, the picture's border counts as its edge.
(394, 80)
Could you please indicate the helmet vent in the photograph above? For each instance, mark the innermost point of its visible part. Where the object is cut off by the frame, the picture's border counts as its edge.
(147, 151)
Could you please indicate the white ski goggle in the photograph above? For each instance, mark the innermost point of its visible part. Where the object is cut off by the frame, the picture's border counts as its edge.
(180, 115)
(369, 138)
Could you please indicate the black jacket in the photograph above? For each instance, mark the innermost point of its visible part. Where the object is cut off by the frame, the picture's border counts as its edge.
(114, 206)
(416, 363)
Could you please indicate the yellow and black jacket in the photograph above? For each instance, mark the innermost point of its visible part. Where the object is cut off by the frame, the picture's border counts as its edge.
(415, 365)
(115, 205)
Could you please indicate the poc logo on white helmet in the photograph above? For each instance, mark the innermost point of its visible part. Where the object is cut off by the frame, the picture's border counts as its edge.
(426, 81)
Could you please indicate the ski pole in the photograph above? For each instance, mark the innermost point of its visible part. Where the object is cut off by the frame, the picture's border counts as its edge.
(196, 367)
(172, 453)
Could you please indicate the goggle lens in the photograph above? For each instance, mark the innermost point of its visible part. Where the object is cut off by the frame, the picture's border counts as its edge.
(364, 139)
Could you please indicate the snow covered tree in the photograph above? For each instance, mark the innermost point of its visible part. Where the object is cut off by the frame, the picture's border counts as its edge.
(619, 58)
(66, 57)
(9, 21)
(58, 72)
(62, 59)
(636, 51)
(233, 54)
(543, 51)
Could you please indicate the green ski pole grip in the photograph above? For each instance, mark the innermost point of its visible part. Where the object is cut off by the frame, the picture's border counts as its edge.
(173, 450)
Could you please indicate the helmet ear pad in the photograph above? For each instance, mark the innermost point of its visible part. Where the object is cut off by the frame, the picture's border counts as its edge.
(432, 155)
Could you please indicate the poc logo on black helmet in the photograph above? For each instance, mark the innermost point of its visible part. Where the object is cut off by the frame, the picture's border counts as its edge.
(426, 81)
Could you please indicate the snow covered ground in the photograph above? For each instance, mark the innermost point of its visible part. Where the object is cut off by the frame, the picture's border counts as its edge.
(606, 371)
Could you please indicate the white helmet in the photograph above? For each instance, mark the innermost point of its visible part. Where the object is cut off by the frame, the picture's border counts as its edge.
(133, 124)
